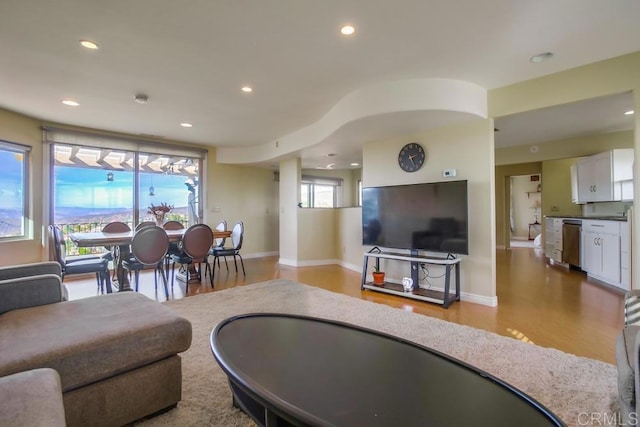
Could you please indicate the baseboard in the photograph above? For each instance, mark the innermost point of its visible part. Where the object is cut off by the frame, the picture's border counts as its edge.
(349, 266)
(308, 263)
(464, 296)
(479, 299)
(260, 254)
(316, 262)
(289, 262)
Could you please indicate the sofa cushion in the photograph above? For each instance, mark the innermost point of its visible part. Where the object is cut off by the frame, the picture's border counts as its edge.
(32, 398)
(91, 339)
(625, 347)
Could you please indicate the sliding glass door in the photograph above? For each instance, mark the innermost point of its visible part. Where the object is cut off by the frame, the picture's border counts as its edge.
(93, 186)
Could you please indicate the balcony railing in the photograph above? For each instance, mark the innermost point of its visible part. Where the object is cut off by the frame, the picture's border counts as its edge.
(87, 227)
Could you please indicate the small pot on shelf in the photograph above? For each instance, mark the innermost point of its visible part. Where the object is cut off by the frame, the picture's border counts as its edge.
(378, 277)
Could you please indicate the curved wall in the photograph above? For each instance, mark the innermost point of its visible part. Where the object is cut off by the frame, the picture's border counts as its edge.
(448, 95)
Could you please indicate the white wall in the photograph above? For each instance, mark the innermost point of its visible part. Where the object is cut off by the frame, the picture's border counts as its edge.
(289, 197)
(248, 194)
(469, 149)
(317, 232)
(349, 237)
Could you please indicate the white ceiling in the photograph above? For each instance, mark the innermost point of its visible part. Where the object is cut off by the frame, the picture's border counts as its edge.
(192, 57)
(593, 116)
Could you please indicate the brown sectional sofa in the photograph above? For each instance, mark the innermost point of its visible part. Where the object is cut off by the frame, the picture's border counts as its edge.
(116, 354)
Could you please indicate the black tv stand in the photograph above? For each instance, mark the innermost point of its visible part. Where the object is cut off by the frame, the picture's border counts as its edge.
(439, 297)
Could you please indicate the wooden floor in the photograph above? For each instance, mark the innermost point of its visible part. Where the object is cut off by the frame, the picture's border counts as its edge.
(547, 305)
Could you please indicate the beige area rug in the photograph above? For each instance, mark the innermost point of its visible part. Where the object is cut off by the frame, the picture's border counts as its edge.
(572, 387)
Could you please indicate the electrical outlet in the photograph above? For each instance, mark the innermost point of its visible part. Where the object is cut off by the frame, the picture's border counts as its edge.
(447, 173)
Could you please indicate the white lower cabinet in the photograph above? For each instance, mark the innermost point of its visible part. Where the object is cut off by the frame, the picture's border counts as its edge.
(625, 255)
(553, 239)
(601, 251)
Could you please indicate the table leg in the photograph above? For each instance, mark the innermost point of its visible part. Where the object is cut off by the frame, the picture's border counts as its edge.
(123, 277)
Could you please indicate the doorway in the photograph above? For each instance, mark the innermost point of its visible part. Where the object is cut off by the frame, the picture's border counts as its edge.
(525, 202)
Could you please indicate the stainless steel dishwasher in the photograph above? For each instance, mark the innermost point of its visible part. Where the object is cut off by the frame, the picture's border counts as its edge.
(571, 241)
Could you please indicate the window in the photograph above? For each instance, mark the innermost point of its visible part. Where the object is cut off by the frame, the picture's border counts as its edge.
(13, 190)
(319, 192)
(98, 179)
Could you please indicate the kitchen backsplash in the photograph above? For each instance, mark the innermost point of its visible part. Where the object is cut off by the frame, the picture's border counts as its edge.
(606, 209)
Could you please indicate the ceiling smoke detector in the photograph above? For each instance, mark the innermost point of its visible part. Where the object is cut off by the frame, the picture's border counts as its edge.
(141, 98)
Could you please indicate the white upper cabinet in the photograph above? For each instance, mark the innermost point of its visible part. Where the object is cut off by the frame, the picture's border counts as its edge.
(604, 177)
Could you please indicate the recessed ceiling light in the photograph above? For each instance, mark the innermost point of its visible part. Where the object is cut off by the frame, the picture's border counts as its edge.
(89, 44)
(347, 30)
(541, 57)
(628, 113)
(70, 103)
(355, 164)
(247, 89)
(186, 125)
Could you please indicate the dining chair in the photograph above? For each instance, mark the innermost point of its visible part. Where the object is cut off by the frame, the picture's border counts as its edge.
(114, 227)
(174, 249)
(237, 236)
(148, 248)
(173, 225)
(144, 224)
(195, 245)
(79, 264)
(218, 243)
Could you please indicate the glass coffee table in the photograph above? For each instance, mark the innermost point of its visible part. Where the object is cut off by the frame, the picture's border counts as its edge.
(296, 370)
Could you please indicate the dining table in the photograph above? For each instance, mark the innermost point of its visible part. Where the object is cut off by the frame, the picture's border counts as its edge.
(122, 242)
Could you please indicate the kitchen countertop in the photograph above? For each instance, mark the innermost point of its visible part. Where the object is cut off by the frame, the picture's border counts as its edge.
(602, 218)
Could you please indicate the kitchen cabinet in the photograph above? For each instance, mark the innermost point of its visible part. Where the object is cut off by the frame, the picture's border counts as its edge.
(601, 251)
(553, 239)
(603, 177)
(625, 255)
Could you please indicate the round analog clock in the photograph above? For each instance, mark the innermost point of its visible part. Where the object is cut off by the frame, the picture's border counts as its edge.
(411, 157)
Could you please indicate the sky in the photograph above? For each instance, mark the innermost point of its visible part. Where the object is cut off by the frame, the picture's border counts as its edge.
(89, 188)
(10, 180)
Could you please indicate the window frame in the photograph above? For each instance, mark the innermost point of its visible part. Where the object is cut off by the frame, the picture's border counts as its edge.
(311, 199)
(24, 150)
(136, 171)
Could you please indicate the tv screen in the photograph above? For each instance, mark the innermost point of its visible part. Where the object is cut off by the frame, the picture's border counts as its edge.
(430, 217)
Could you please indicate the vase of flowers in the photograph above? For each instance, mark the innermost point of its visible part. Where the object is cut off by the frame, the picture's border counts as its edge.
(159, 211)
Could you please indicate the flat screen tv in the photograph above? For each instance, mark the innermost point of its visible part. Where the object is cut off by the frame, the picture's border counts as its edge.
(429, 217)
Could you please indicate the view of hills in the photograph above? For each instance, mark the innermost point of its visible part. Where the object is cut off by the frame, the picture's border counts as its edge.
(79, 215)
(11, 218)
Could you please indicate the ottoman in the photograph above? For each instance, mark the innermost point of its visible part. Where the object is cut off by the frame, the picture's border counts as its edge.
(116, 354)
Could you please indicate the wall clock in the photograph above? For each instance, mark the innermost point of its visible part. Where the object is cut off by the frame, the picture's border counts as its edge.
(411, 157)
